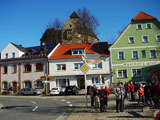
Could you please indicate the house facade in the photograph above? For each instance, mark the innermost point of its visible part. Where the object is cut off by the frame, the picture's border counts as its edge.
(26, 70)
(135, 55)
(65, 66)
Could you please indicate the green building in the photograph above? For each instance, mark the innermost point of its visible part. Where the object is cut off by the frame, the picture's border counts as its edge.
(135, 55)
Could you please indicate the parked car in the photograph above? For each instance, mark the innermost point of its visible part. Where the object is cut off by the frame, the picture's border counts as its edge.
(30, 91)
(71, 90)
(57, 91)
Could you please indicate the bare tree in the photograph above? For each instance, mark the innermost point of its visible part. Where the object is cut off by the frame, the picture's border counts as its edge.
(56, 24)
(88, 22)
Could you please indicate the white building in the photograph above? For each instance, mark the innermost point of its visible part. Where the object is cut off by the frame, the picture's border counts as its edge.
(66, 61)
(23, 71)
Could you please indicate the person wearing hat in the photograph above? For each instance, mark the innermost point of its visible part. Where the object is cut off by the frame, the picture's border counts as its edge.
(119, 93)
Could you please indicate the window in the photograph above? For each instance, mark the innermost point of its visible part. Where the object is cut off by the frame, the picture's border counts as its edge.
(39, 84)
(139, 26)
(6, 55)
(145, 39)
(122, 73)
(131, 39)
(28, 84)
(5, 85)
(77, 52)
(148, 26)
(27, 68)
(97, 66)
(39, 67)
(152, 53)
(121, 55)
(5, 68)
(135, 54)
(98, 80)
(14, 69)
(136, 72)
(77, 66)
(61, 67)
(13, 55)
(143, 53)
(158, 38)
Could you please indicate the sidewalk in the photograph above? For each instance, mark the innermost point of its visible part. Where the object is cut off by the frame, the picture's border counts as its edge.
(133, 111)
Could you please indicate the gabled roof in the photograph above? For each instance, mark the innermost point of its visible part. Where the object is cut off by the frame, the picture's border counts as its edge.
(143, 16)
(74, 15)
(36, 49)
(64, 51)
(19, 47)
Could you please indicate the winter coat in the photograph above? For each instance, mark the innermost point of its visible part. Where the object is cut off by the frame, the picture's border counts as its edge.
(119, 92)
(108, 92)
(132, 87)
(141, 91)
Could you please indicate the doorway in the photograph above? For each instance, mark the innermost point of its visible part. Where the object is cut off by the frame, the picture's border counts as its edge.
(81, 83)
(14, 87)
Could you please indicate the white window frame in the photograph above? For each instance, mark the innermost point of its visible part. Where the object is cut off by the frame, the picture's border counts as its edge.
(157, 38)
(137, 54)
(123, 55)
(6, 55)
(78, 51)
(79, 66)
(138, 25)
(97, 81)
(147, 26)
(136, 72)
(97, 66)
(14, 69)
(122, 73)
(143, 38)
(150, 53)
(61, 66)
(142, 54)
(13, 55)
(130, 41)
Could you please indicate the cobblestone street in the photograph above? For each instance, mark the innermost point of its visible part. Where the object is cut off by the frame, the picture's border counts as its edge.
(133, 111)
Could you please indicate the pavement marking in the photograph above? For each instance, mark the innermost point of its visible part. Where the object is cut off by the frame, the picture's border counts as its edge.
(1, 106)
(63, 100)
(68, 102)
(70, 105)
(33, 102)
(35, 108)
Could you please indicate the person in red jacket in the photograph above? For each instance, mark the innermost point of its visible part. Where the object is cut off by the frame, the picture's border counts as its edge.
(141, 94)
(132, 91)
(158, 93)
(107, 94)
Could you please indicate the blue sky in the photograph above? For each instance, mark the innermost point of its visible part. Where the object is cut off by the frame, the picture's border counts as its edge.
(24, 21)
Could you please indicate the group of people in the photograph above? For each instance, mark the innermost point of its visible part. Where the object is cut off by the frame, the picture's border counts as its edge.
(147, 95)
(99, 98)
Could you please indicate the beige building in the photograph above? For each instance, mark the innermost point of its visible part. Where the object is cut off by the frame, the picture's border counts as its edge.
(70, 33)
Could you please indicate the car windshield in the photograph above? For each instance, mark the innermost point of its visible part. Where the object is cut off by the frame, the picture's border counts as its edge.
(54, 88)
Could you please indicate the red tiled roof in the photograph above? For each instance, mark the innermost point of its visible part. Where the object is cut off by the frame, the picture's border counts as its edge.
(64, 51)
(143, 16)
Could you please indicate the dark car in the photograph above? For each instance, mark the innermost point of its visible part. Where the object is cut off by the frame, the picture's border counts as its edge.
(30, 91)
(71, 90)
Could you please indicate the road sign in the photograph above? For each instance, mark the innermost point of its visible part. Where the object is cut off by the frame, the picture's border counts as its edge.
(94, 61)
(85, 68)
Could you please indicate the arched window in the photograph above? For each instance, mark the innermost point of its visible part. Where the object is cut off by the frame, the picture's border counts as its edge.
(39, 84)
(5, 85)
(39, 67)
(27, 84)
(27, 68)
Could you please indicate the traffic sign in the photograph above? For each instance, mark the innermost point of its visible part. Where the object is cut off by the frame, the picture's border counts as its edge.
(92, 55)
(94, 61)
(85, 68)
